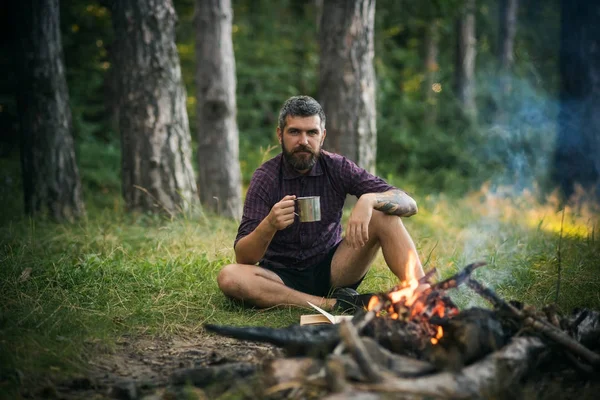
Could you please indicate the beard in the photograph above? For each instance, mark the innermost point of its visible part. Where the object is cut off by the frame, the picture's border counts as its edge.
(298, 160)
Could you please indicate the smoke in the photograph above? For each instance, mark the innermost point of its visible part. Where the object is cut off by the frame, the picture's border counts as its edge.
(519, 130)
(521, 135)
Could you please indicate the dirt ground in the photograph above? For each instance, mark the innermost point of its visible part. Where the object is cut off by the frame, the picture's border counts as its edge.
(142, 368)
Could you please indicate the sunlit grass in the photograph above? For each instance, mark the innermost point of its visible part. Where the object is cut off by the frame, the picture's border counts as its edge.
(524, 241)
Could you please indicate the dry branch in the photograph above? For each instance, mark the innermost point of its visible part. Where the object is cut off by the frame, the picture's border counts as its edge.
(479, 380)
(539, 325)
(460, 277)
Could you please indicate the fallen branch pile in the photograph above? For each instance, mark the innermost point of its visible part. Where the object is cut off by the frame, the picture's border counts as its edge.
(396, 348)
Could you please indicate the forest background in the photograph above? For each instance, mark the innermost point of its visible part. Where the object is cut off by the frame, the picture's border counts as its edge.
(489, 183)
(276, 55)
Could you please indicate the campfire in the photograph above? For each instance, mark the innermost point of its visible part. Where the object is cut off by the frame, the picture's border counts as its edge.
(414, 342)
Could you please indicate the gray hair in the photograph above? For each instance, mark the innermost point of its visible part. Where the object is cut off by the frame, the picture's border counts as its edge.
(300, 106)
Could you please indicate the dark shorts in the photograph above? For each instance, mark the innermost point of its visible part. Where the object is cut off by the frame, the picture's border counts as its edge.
(315, 280)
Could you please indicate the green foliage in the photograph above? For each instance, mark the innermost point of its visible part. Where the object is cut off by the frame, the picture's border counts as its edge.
(513, 136)
(438, 155)
(86, 34)
(276, 51)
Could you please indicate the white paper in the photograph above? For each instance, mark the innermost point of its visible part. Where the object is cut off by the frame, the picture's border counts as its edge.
(334, 319)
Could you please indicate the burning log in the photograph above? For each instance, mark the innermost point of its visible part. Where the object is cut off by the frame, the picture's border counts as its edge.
(405, 303)
(401, 337)
(469, 336)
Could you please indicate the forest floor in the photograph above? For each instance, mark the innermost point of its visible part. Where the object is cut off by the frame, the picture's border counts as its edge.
(142, 367)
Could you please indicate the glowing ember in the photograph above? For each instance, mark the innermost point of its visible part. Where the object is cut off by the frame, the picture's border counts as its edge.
(438, 335)
(373, 302)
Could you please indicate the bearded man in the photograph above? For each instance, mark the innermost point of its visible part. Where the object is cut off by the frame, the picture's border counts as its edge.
(282, 261)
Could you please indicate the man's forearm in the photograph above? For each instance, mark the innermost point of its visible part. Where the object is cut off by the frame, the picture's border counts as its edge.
(395, 202)
(251, 248)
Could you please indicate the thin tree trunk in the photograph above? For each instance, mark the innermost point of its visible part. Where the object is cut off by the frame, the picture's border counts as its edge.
(431, 71)
(51, 180)
(218, 138)
(577, 159)
(507, 31)
(156, 150)
(465, 59)
(347, 79)
(318, 13)
(507, 24)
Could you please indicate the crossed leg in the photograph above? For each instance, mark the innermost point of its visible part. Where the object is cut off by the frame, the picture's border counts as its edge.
(263, 288)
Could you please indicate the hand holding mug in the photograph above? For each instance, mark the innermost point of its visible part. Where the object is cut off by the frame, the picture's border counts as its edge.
(282, 213)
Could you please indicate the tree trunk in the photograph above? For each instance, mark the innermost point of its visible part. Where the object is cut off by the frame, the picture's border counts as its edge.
(465, 59)
(218, 140)
(156, 150)
(431, 71)
(506, 36)
(507, 27)
(347, 79)
(318, 13)
(578, 143)
(51, 180)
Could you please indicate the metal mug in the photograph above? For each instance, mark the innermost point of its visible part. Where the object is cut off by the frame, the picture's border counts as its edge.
(309, 208)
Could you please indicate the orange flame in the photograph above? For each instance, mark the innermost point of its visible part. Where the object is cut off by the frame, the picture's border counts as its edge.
(438, 335)
(373, 303)
(407, 292)
(404, 301)
(439, 310)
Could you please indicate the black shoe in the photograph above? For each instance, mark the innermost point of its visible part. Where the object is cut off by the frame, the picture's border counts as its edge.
(349, 300)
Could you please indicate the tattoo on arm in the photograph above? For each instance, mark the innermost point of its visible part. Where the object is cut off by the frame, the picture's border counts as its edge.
(395, 202)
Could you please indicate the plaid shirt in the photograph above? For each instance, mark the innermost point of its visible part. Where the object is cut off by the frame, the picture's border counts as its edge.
(301, 245)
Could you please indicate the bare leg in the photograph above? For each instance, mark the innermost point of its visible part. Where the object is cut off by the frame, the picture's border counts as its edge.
(399, 250)
(263, 288)
(388, 233)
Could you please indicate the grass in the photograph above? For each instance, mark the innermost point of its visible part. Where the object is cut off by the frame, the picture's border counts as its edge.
(64, 287)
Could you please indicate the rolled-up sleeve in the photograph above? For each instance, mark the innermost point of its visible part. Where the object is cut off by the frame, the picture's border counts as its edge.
(257, 204)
